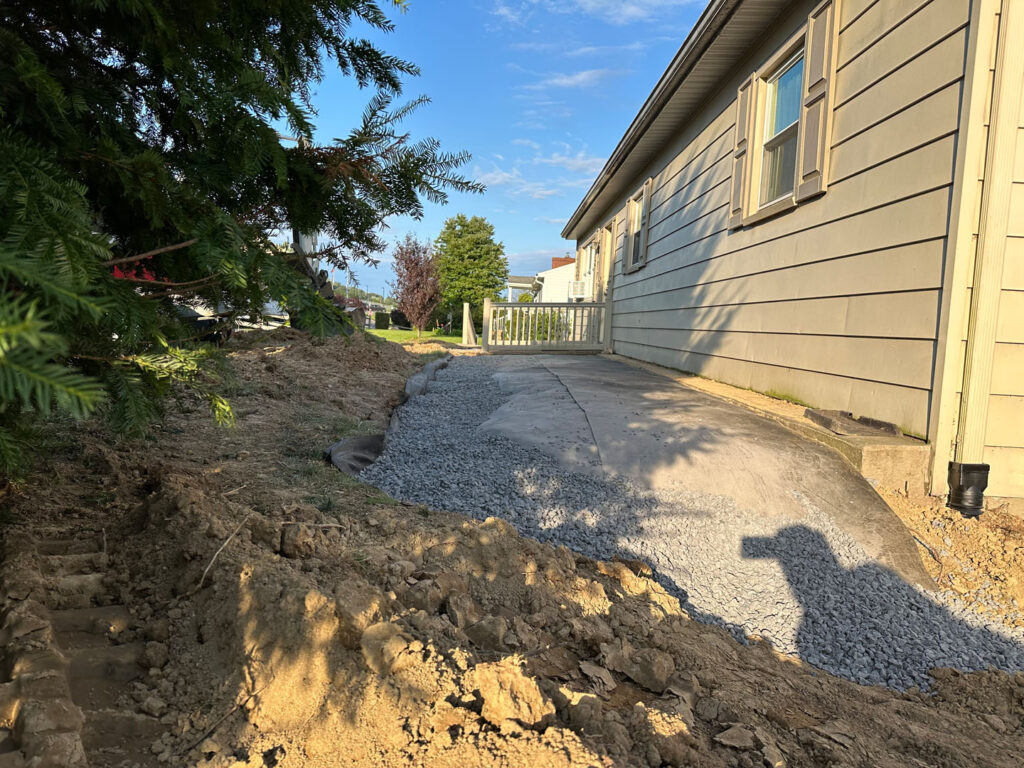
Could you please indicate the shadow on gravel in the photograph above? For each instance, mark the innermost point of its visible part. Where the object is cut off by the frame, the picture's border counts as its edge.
(866, 621)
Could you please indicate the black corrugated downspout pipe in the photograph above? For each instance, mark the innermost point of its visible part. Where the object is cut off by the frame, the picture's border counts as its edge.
(967, 484)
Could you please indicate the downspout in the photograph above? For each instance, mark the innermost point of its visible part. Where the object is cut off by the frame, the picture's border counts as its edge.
(967, 473)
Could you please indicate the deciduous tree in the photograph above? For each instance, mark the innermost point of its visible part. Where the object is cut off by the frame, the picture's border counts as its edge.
(471, 264)
(416, 285)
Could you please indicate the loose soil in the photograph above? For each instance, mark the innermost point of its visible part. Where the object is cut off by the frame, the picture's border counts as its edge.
(295, 617)
(981, 559)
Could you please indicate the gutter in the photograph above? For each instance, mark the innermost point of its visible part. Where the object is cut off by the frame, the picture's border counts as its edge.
(703, 33)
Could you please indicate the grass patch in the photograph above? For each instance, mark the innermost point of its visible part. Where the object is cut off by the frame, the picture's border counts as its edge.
(405, 337)
(787, 398)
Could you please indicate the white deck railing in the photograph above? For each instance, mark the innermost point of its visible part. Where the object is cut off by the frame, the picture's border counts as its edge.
(546, 327)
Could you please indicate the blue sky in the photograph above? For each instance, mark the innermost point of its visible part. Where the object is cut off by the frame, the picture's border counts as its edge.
(539, 91)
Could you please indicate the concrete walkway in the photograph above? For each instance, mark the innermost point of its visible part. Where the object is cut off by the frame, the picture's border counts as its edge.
(599, 415)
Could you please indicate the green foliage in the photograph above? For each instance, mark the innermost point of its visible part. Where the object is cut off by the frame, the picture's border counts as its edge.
(471, 265)
(382, 320)
(141, 174)
(525, 298)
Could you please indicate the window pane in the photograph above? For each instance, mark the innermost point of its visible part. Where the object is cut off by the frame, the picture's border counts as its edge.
(778, 173)
(785, 98)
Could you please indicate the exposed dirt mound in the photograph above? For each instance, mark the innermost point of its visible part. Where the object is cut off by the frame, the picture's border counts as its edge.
(293, 617)
(982, 559)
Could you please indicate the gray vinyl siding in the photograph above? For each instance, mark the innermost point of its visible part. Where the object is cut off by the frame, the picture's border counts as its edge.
(835, 303)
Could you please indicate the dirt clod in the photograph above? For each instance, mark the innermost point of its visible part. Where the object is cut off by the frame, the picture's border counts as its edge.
(509, 695)
(296, 541)
(736, 737)
(489, 633)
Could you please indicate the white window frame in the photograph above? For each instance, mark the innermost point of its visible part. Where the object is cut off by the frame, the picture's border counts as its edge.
(776, 65)
(790, 131)
(637, 224)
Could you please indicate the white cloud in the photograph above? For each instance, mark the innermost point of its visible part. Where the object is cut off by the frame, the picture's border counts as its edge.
(526, 143)
(549, 220)
(581, 162)
(509, 14)
(532, 46)
(626, 11)
(590, 50)
(517, 185)
(495, 178)
(583, 79)
(617, 12)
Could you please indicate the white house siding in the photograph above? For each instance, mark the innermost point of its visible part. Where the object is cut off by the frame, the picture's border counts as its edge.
(1004, 433)
(835, 303)
(556, 283)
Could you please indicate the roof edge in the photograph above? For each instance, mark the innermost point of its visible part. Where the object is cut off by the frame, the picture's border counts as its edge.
(703, 33)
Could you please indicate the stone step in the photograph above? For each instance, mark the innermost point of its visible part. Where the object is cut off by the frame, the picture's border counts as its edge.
(76, 592)
(97, 620)
(99, 676)
(88, 562)
(84, 544)
(115, 737)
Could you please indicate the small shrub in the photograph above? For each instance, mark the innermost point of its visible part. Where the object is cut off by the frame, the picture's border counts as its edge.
(381, 320)
(399, 318)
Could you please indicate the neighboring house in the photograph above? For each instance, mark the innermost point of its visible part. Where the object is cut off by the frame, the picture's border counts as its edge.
(517, 285)
(554, 284)
(825, 201)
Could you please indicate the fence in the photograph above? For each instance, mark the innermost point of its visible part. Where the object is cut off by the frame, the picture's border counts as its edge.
(546, 327)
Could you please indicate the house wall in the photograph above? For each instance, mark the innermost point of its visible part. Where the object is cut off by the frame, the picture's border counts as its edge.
(1004, 422)
(981, 368)
(835, 303)
(556, 283)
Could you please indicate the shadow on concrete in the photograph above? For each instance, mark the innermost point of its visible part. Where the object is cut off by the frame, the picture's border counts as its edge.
(612, 420)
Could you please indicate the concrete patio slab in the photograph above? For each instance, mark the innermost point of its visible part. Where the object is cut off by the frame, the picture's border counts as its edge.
(603, 416)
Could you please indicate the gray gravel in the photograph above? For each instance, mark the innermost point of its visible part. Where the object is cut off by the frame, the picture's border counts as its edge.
(801, 583)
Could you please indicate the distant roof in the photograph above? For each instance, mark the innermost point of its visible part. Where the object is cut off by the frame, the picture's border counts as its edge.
(520, 279)
(721, 39)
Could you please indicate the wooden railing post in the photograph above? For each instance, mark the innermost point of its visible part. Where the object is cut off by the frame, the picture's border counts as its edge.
(468, 331)
(485, 336)
(606, 323)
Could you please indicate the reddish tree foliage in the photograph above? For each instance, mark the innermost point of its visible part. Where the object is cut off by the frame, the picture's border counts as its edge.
(416, 286)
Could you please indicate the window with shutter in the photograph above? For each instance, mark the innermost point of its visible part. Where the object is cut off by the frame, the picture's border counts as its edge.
(638, 214)
(783, 124)
(738, 209)
(816, 117)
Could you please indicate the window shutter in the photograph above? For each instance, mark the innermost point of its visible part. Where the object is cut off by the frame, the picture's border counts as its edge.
(816, 121)
(645, 220)
(740, 161)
